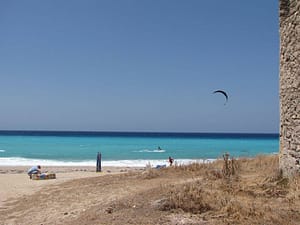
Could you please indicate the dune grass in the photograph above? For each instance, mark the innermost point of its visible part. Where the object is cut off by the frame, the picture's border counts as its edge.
(254, 192)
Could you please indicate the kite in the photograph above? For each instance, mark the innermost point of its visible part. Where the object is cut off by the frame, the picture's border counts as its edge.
(222, 92)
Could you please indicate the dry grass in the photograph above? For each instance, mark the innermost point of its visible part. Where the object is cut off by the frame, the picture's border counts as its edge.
(150, 174)
(255, 193)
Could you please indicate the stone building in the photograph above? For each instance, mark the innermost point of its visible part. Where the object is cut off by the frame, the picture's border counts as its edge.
(289, 87)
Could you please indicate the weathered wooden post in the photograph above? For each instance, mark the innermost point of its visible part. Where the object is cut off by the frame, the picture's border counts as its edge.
(98, 167)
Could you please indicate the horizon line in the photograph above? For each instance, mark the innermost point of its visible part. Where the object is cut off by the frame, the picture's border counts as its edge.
(145, 132)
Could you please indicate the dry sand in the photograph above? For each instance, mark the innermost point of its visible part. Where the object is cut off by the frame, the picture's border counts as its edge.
(15, 183)
(196, 194)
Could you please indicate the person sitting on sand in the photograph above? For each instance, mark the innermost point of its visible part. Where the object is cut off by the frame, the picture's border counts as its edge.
(34, 170)
(171, 160)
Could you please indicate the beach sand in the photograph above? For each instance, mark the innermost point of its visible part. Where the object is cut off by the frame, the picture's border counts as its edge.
(15, 183)
(196, 194)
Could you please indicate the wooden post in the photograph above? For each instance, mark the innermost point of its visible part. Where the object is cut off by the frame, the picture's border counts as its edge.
(98, 168)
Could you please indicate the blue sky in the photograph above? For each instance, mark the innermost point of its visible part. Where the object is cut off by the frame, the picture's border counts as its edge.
(137, 65)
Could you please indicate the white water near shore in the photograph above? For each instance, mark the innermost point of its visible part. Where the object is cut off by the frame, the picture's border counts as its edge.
(16, 161)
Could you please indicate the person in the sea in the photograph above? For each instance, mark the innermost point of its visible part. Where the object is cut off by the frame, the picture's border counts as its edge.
(171, 160)
(34, 170)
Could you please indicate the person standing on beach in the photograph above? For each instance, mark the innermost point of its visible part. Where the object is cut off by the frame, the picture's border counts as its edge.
(171, 160)
(34, 170)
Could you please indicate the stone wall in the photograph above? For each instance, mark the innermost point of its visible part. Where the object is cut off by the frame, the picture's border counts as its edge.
(289, 87)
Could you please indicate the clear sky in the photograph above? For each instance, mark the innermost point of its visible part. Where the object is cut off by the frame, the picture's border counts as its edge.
(139, 65)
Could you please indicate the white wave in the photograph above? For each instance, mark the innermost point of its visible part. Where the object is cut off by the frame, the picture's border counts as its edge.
(155, 150)
(1, 150)
(18, 161)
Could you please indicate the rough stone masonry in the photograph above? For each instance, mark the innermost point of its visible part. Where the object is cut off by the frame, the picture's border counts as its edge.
(289, 156)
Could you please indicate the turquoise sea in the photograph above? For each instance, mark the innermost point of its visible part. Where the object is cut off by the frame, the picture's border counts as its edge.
(127, 148)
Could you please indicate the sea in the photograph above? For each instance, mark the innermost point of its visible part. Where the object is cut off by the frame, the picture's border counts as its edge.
(127, 149)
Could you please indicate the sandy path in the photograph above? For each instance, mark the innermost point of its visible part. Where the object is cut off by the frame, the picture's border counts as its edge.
(15, 183)
(13, 186)
(64, 202)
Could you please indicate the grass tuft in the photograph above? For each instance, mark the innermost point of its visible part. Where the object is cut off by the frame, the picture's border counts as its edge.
(242, 191)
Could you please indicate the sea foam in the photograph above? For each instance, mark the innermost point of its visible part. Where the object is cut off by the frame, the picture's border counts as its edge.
(18, 161)
(154, 150)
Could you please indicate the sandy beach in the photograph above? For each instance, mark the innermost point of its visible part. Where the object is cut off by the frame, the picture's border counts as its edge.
(15, 183)
(195, 194)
